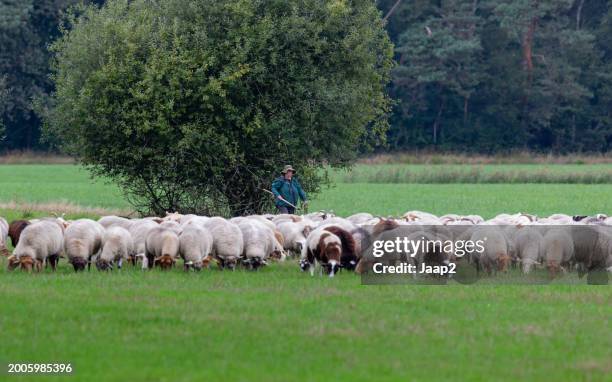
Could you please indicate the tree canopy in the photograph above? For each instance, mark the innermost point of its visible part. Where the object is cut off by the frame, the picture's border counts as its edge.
(194, 105)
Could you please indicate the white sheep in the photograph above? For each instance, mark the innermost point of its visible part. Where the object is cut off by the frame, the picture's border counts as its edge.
(112, 221)
(83, 240)
(139, 231)
(162, 247)
(118, 247)
(39, 242)
(496, 254)
(259, 243)
(295, 234)
(228, 244)
(195, 246)
(360, 218)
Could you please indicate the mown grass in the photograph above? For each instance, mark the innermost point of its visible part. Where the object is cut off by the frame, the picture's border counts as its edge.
(72, 186)
(498, 174)
(279, 324)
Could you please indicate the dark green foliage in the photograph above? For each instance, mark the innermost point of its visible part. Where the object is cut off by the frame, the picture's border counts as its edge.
(196, 105)
(496, 75)
(26, 27)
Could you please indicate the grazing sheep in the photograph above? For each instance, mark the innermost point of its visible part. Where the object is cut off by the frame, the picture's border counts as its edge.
(118, 247)
(228, 244)
(294, 235)
(592, 246)
(325, 248)
(39, 242)
(259, 243)
(162, 247)
(15, 229)
(83, 241)
(558, 249)
(139, 231)
(112, 221)
(529, 248)
(496, 255)
(195, 246)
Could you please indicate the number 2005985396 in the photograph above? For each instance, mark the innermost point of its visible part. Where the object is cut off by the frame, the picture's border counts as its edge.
(39, 368)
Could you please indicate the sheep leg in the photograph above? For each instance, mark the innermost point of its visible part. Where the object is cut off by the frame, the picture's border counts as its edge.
(150, 261)
(53, 260)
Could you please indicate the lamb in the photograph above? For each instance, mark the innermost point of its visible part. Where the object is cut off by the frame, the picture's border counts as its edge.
(83, 240)
(195, 246)
(162, 247)
(228, 244)
(39, 242)
(15, 229)
(118, 246)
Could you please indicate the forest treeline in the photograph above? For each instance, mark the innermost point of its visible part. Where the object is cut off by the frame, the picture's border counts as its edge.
(478, 75)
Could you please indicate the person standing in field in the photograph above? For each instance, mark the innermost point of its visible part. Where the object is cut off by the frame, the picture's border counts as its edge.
(287, 190)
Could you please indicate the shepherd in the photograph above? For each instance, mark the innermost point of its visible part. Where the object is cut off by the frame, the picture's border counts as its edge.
(286, 190)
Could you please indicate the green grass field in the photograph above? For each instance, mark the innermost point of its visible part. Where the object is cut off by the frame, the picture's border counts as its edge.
(68, 183)
(279, 324)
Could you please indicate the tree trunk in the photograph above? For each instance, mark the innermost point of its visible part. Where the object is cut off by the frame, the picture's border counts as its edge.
(528, 47)
(579, 14)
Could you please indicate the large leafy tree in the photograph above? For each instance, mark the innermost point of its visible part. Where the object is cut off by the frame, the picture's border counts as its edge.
(194, 105)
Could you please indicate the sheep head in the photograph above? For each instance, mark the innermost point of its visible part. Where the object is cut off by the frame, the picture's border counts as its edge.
(165, 262)
(78, 263)
(27, 263)
(13, 263)
(104, 265)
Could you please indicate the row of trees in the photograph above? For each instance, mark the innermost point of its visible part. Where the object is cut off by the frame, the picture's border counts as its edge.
(482, 75)
(487, 75)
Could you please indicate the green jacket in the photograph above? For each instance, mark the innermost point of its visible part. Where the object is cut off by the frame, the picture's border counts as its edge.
(289, 190)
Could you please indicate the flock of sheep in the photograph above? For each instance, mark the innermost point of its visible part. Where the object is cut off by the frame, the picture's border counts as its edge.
(319, 238)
